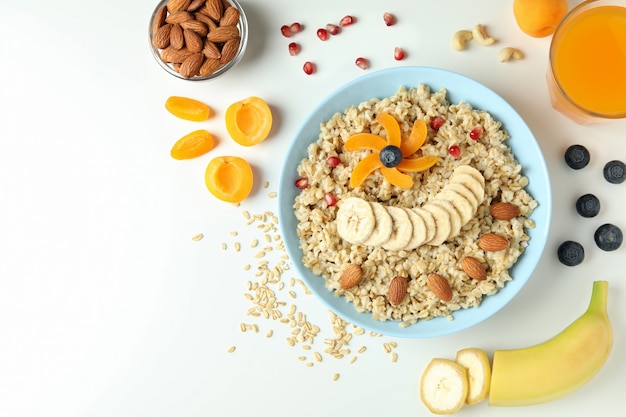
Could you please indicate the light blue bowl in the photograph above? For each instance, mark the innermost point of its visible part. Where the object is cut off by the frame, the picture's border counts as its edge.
(385, 83)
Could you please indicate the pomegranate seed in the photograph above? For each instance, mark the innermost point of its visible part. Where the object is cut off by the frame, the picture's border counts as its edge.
(302, 183)
(347, 21)
(286, 31)
(399, 54)
(322, 34)
(362, 63)
(389, 19)
(295, 28)
(294, 48)
(333, 29)
(330, 199)
(309, 67)
(437, 122)
(476, 133)
(333, 161)
(454, 151)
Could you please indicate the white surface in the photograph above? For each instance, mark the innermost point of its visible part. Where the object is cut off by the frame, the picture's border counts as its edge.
(107, 306)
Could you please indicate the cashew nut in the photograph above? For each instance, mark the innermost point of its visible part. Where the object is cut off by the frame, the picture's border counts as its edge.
(459, 39)
(481, 37)
(509, 53)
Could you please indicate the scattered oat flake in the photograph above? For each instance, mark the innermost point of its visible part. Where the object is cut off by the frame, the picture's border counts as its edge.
(237, 246)
(273, 194)
(234, 233)
(224, 246)
(266, 184)
(335, 377)
(269, 333)
(394, 357)
(231, 349)
(197, 237)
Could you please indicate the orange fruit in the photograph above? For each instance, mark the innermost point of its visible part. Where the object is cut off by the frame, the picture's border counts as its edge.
(539, 18)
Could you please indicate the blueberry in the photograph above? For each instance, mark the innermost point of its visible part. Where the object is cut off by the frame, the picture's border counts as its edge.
(390, 156)
(608, 237)
(571, 253)
(588, 205)
(614, 172)
(577, 157)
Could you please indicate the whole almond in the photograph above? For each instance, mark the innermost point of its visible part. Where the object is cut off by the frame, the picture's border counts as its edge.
(351, 276)
(474, 268)
(230, 17)
(193, 41)
(223, 33)
(439, 286)
(176, 5)
(209, 67)
(177, 38)
(492, 242)
(161, 38)
(197, 26)
(213, 9)
(211, 51)
(397, 290)
(175, 56)
(201, 17)
(191, 66)
(504, 211)
(229, 50)
(159, 18)
(179, 17)
(195, 5)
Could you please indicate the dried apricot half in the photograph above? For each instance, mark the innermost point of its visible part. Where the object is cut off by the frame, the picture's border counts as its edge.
(229, 178)
(188, 108)
(249, 121)
(193, 145)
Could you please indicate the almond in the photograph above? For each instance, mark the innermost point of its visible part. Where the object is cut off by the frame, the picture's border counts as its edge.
(193, 41)
(175, 56)
(213, 9)
(230, 17)
(397, 290)
(492, 242)
(195, 5)
(176, 5)
(179, 17)
(191, 66)
(161, 38)
(197, 26)
(474, 268)
(211, 50)
(504, 211)
(209, 67)
(351, 276)
(159, 18)
(223, 33)
(229, 50)
(177, 38)
(201, 17)
(439, 286)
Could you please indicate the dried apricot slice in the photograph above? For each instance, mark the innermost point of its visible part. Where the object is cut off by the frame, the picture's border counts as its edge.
(417, 164)
(364, 141)
(188, 108)
(391, 126)
(415, 140)
(193, 145)
(249, 121)
(397, 178)
(364, 168)
(229, 178)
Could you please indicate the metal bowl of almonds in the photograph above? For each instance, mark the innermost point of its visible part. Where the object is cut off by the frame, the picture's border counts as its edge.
(198, 39)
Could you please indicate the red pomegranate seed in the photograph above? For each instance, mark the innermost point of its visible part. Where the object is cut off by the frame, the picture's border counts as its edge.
(295, 27)
(286, 31)
(347, 20)
(454, 151)
(322, 34)
(308, 67)
(302, 183)
(399, 54)
(333, 29)
(294, 48)
(333, 161)
(362, 63)
(330, 199)
(389, 19)
(437, 122)
(476, 133)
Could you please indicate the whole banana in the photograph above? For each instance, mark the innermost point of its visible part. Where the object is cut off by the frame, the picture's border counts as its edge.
(558, 366)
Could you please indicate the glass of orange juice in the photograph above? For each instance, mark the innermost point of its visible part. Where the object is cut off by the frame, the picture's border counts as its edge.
(587, 72)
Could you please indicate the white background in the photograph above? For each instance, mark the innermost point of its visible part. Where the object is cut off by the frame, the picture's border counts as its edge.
(107, 305)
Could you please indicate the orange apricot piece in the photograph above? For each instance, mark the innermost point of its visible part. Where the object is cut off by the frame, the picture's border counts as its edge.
(415, 140)
(396, 177)
(188, 108)
(364, 168)
(539, 18)
(193, 145)
(364, 141)
(249, 121)
(391, 126)
(417, 164)
(229, 178)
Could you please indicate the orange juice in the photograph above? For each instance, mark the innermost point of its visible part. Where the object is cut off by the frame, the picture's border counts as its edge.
(588, 61)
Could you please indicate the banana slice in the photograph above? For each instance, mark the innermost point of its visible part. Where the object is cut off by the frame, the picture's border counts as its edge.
(419, 230)
(402, 229)
(429, 221)
(455, 217)
(470, 170)
(472, 183)
(444, 386)
(460, 203)
(465, 192)
(443, 224)
(478, 373)
(383, 227)
(355, 220)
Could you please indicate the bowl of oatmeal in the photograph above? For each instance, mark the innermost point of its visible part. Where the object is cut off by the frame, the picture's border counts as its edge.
(415, 202)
